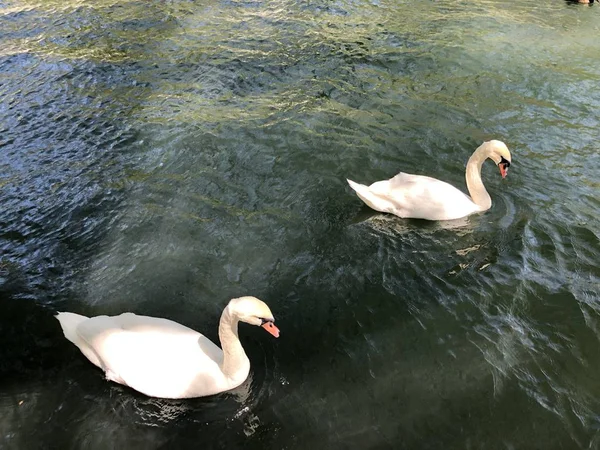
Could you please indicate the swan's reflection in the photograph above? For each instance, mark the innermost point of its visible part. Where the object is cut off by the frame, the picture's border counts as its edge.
(157, 412)
(392, 225)
(235, 406)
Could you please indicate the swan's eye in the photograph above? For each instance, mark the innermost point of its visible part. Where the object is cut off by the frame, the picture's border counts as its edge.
(504, 161)
(263, 321)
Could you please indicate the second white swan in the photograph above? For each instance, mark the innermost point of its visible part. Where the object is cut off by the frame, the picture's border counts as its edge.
(161, 358)
(422, 197)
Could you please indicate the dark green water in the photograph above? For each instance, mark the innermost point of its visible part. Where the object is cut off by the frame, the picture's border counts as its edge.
(163, 157)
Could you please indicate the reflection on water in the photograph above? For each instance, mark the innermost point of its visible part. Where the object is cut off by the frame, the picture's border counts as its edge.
(164, 157)
(386, 223)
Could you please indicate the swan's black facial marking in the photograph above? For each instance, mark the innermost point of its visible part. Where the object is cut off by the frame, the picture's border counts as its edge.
(503, 165)
(263, 321)
(504, 161)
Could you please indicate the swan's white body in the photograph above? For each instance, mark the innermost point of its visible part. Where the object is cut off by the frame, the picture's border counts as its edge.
(161, 358)
(422, 197)
(416, 196)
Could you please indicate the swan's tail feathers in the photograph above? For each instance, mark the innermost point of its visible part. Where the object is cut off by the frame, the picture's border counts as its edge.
(354, 185)
(361, 190)
(365, 194)
(69, 322)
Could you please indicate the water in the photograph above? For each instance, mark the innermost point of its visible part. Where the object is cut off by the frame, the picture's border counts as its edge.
(163, 157)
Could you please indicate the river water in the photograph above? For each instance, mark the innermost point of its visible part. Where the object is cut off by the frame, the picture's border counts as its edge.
(164, 157)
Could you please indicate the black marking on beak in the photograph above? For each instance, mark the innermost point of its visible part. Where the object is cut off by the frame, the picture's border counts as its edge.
(504, 161)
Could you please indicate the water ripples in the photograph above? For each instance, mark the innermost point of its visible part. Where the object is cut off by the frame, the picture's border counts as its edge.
(166, 157)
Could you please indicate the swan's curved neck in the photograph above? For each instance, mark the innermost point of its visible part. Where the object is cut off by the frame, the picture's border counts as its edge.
(235, 362)
(477, 190)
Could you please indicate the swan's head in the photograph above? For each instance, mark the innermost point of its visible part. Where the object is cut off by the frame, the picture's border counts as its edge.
(498, 152)
(253, 311)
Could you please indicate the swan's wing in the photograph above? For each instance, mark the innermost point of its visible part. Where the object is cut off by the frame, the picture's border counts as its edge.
(133, 322)
(423, 197)
(419, 183)
(405, 179)
(157, 357)
(165, 327)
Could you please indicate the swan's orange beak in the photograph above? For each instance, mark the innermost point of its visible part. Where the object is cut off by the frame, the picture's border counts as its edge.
(503, 169)
(271, 328)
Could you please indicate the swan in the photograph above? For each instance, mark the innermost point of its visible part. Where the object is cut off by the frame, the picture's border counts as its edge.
(162, 358)
(422, 197)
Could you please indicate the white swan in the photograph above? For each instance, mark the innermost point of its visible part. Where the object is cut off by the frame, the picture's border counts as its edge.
(421, 197)
(161, 358)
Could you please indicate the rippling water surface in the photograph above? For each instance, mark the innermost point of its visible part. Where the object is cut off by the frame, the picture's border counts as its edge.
(164, 157)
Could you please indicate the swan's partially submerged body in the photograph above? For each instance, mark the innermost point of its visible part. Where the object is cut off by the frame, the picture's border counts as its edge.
(422, 197)
(162, 358)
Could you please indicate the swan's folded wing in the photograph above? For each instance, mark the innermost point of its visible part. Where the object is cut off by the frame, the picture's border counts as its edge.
(404, 179)
(133, 322)
(425, 197)
(155, 362)
(407, 181)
